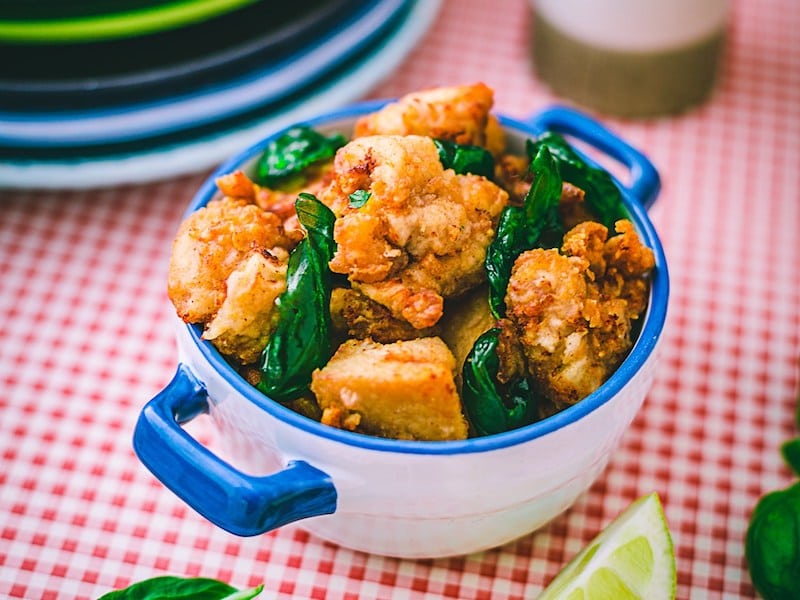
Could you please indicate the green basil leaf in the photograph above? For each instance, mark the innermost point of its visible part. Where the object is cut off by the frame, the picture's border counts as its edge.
(500, 255)
(602, 196)
(491, 408)
(301, 340)
(359, 198)
(525, 227)
(286, 157)
(772, 544)
(178, 588)
(791, 454)
(464, 158)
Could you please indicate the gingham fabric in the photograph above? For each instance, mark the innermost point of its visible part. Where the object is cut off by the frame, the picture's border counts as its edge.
(86, 341)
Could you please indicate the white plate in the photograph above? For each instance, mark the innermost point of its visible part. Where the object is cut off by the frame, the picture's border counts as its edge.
(206, 152)
(138, 121)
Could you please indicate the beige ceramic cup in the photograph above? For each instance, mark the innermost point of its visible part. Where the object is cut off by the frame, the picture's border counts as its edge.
(630, 58)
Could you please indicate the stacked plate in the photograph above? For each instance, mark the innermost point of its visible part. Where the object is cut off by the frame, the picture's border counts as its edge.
(93, 95)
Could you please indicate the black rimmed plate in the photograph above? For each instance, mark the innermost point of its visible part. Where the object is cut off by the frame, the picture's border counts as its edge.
(86, 76)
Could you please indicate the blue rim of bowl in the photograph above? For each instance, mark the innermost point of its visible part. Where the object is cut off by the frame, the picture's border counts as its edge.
(649, 334)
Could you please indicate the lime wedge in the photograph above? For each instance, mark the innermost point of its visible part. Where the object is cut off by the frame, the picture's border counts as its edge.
(631, 558)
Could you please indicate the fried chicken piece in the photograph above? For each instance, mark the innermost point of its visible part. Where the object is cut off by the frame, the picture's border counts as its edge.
(628, 261)
(511, 363)
(619, 262)
(545, 299)
(588, 240)
(458, 114)
(280, 202)
(237, 185)
(571, 207)
(465, 319)
(210, 244)
(357, 316)
(574, 311)
(241, 327)
(512, 173)
(404, 390)
(421, 236)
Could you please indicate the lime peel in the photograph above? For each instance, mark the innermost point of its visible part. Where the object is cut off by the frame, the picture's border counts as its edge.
(633, 557)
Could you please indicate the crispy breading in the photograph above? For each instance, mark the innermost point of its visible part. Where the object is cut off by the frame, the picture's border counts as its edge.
(574, 310)
(545, 298)
(237, 185)
(572, 206)
(628, 262)
(465, 319)
(619, 262)
(511, 362)
(459, 114)
(210, 244)
(512, 174)
(278, 201)
(495, 136)
(403, 390)
(422, 235)
(315, 178)
(355, 315)
(587, 240)
(241, 327)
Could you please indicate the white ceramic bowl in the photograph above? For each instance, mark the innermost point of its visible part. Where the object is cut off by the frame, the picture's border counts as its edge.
(390, 497)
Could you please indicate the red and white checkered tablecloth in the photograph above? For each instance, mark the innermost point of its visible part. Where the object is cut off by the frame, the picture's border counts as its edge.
(85, 341)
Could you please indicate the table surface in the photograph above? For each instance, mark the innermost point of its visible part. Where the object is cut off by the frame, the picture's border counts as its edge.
(86, 341)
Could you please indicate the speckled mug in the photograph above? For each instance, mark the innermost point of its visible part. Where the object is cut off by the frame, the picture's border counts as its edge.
(390, 497)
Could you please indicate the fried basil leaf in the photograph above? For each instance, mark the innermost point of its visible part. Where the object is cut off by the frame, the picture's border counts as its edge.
(491, 407)
(524, 227)
(287, 156)
(464, 159)
(301, 340)
(602, 196)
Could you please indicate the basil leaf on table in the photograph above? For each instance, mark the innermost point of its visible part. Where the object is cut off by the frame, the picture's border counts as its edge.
(464, 158)
(791, 454)
(301, 340)
(772, 544)
(286, 157)
(522, 227)
(168, 587)
(491, 409)
(791, 449)
(602, 196)
(772, 541)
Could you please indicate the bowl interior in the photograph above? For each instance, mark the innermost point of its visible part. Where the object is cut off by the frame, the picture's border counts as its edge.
(517, 132)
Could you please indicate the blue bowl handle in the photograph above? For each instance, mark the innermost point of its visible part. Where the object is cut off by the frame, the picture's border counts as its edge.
(241, 504)
(645, 182)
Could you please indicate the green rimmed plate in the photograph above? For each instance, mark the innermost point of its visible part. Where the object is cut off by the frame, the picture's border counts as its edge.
(124, 20)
